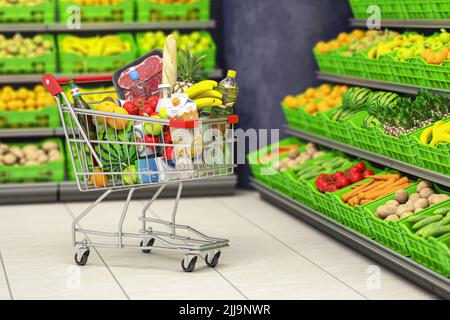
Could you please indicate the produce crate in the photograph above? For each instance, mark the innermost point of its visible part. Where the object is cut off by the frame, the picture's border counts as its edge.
(379, 69)
(407, 71)
(291, 116)
(150, 11)
(435, 76)
(209, 62)
(437, 158)
(401, 148)
(49, 172)
(122, 11)
(47, 117)
(432, 253)
(263, 171)
(74, 63)
(440, 8)
(390, 233)
(395, 9)
(41, 13)
(45, 63)
(337, 130)
(353, 66)
(329, 62)
(364, 138)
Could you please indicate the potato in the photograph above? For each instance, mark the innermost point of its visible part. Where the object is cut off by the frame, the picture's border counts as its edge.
(311, 149)
(31, 163)
(385, 211)
(50, 145)
(414, 197)
(17, 152)
(426, 192)
(421, 203)
(4, 148)
(423, 184)
(401, 196)
(54, 157)
(9, 159)
(42, 159)
(392, 217)
(406, 214)
(437, 198)
(418, 210)
(292, 154)
(318, 154)
(402, 209)
(412, 204)
(393, 202)
(31, 155)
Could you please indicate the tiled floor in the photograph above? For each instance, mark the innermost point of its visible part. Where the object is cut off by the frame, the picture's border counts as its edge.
(272, 256)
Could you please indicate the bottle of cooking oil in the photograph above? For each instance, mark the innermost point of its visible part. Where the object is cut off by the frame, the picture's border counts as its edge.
(229, 89)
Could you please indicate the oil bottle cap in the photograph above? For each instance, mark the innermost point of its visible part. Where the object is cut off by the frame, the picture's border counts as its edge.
(231, 74)
(134, 74)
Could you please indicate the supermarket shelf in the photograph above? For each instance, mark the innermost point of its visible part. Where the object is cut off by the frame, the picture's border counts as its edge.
(388, 162)
(376, 84)
(93, 27)
(30, 133)
(406, 23)
(404, 266)
(36, 78)
(68, 191)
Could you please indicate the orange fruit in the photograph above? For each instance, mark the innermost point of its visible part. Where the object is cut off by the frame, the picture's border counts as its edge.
(99, 180)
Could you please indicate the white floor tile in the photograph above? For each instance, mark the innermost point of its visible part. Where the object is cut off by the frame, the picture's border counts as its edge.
(36, 247)
(4, 291)
(344, 263)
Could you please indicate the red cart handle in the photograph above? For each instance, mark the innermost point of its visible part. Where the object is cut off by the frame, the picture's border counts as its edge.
(53, 84)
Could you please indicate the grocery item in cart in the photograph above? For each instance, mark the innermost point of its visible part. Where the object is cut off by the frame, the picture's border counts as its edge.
(138, 88)
(149, 68)
(78, 102)
(229, 89)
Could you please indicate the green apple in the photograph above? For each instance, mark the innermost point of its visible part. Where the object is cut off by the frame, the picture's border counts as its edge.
(153, 129)
(130, 178)
(163, 113)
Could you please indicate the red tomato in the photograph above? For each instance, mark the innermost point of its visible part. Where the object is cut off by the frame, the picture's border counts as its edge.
(342, 182)
(168, 153)
(332, 188)
(353, 170)
(356, 177)
(146, 110)
(361, 166)
(367, 173)
(167, 137)
(321, 184)
(151, 139)
(323, 176)
(138, 102)
(130, 107)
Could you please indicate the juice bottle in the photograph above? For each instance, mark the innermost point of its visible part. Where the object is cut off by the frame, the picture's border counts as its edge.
(229, 89)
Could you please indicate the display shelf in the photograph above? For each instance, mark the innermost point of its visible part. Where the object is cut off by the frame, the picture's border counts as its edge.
(404, 266)
(110, 27)
(388, 162)
(36, 78)
(405, 23)
(376, 84)
(31, 133)
(68, 191)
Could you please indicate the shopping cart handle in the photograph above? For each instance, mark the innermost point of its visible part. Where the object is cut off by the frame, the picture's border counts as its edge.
(86, 79)
(51, 84)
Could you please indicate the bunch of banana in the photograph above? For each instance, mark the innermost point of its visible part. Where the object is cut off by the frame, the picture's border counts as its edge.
(95, 46)
(435, 134)
(204, 94)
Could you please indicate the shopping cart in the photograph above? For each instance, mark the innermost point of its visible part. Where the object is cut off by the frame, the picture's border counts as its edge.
(112, 151)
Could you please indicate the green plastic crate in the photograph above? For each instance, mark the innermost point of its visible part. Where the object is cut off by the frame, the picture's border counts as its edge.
(337, 130)
(41, 13)
(435, 76)
(391, 233)
(120, 12)
(209, 62)
(329, 62)
(441, 8)
(437, 158)
(45, 63)
(379, 69)
(401, 148)
(47, 117)
(364, 138)
(73, 63)
(149, 11)
(49, 172)
(408, 72)
(353, 66)
(291, 116)
(432, 253)
(395, 9)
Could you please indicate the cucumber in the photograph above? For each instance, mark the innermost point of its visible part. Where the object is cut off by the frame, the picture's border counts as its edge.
(442, 211)
(426, 221)
(425, 229)
(445, 221)
(416, 218)
(436, 231)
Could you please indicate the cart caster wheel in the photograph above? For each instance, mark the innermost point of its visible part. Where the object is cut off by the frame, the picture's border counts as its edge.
(191, 266)
(214, 261)
(81, 261)
(150, 243)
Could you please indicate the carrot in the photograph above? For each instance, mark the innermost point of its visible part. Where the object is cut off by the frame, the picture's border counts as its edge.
(387, 191)
(350, 194)
(353, 201)
(388, 176)
(363, 202)
(379, 185)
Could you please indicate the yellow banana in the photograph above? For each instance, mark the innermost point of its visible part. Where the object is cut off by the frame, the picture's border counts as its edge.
(443, 138)
(207, 102)
(198, 88)
(208, 94)
(445, 128)
(209, 82)
(436, 130)
(425, 137)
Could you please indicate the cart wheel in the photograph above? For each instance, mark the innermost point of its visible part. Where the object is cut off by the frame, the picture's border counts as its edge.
(191, 265)
(81, 261)
(214, 261)
(150, 243)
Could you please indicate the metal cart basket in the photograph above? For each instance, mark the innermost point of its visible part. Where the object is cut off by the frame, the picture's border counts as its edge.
(114, 151)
